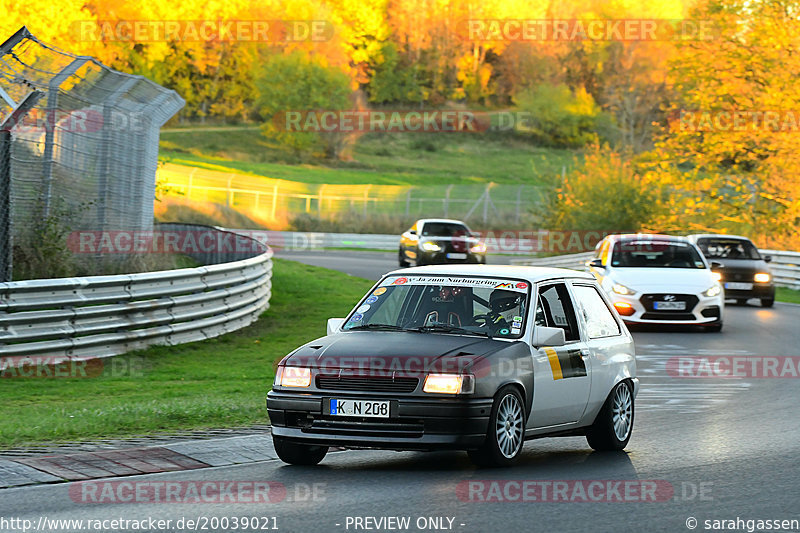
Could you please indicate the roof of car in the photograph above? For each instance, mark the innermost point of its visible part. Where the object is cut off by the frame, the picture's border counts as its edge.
(696, 236)
(446, 220)
(653, 236)
(530, 273)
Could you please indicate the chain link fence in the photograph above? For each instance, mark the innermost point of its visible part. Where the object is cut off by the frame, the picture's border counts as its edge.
(79, 148)
(276, 202)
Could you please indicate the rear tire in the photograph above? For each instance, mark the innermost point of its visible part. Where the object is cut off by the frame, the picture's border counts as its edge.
(613, 426)
(401, 259)
(506, 433)
(767, 302)
(741, 301)
(295, 453)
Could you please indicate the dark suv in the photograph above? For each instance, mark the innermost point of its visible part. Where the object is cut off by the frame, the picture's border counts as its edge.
(744, 272)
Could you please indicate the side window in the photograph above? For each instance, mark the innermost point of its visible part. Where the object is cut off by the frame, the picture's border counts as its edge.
(554, 309)
(599, 320)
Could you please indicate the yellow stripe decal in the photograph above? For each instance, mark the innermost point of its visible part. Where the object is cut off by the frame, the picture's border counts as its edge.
(555, 364)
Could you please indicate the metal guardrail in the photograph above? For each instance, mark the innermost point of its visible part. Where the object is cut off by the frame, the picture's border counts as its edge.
(785, 266)
(101, 316)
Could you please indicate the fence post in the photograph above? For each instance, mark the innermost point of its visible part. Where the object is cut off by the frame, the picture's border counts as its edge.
(6, 222)
(366, 199)
(50, 129)
(5, 206)
(274, 213)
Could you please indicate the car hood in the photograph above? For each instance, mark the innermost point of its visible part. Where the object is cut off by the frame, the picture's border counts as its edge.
(743, 264)
(389, 351)
(693, 280)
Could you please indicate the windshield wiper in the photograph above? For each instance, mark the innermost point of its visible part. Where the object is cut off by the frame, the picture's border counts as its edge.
(388, 327)
(446, 328)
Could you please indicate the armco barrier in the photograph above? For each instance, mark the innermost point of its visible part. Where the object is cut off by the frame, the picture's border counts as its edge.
(101, 316)
(785, 266)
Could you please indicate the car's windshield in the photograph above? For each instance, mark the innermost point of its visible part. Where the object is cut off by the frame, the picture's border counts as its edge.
(656, 254)
(444, 229)
(460, 305)
(728, 249)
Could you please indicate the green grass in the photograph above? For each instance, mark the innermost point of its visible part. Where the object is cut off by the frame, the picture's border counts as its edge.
(782, 294)
(221, 382)
(382, 159)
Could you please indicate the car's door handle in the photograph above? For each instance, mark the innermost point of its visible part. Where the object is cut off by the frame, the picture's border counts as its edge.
(586, 353)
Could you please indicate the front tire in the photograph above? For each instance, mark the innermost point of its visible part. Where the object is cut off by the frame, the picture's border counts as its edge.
(767, 302)
(613, 426)
(506, 433)
(401, 259)
(714, 328)
(295, 453)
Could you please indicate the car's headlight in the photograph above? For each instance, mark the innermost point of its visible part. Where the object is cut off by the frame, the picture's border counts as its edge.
(762, 277)
(293, 376)
(712, 291)
(479, 248)
(717, 276)
(430, 246)
(619, 288)
(450, 383)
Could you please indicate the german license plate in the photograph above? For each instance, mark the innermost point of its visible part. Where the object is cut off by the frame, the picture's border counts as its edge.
(368, 408)
(738, 286)
(456, 256)
(670, 306)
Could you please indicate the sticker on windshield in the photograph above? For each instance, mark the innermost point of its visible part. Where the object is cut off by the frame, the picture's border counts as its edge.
(453, 281)
(371, 299)
(515, 331)
(362, 309)
(379, 291)
(357, 317)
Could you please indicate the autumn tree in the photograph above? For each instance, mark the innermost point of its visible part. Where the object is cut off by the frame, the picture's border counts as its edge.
(733, 169)
(296, 83)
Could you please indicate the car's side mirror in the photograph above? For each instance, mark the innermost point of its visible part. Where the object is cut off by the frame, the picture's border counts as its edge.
(412, 232)
(767, 258)
(544, 336)
(335, 325)
(716, 264)
(596, 263)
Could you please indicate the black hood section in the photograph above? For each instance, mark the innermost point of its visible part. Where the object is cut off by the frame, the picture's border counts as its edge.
(389, 350)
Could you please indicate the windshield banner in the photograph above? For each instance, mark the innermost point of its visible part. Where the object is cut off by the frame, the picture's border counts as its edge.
(457, 281)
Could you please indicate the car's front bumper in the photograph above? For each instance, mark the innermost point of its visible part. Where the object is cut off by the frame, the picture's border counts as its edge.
(706, 310)
(759, 290)
(415, 423)
(442, 257)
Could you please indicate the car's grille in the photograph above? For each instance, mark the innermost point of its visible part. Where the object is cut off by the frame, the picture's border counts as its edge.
(648, 301)
(368, 384)
(737, 274)
(371, 428)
